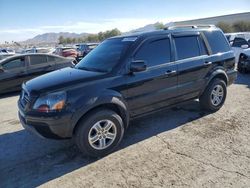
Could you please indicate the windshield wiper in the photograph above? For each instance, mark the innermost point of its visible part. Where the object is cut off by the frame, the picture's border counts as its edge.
(91, 69)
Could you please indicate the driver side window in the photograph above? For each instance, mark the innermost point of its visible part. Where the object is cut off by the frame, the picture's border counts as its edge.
(155, 52)
(238, 42)
(14, 64)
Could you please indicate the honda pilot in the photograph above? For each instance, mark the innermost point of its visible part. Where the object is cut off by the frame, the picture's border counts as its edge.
(126, 77)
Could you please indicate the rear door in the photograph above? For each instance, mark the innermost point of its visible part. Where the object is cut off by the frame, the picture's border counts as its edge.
(14, 74)
(157, 86)
(38, 65)
(192, 66)
(60, 62)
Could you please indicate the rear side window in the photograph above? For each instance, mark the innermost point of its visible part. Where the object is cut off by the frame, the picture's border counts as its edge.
(187, 47)
(217, 41)
(38, 59)
(154, 53)
(238, 42)
(52, 59)
(14, 64)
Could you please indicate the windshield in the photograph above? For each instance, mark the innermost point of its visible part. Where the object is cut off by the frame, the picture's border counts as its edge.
(105, 56)
(228, 37)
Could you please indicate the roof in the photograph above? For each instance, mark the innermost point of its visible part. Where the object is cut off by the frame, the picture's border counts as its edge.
(23, 55)
(88, 43)
(184, 28)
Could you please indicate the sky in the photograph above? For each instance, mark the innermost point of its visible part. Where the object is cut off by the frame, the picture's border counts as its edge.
(24, 19)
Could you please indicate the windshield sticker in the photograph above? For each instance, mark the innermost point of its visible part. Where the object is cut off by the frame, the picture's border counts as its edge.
(131, 39)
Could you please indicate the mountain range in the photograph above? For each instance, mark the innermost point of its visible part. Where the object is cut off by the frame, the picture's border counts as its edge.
(53, 37)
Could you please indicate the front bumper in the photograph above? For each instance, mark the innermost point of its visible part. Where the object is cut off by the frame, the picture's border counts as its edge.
(57, 126)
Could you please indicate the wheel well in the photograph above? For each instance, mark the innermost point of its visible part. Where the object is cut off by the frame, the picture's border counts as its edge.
(108, 106)
(222, 77)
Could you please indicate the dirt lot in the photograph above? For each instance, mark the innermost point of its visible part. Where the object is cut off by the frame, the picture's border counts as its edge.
(178, 147)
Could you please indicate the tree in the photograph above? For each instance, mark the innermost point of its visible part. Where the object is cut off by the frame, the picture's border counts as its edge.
(61, 40)
(68, 40)
(113, 32)
(91, 38)
(159, 25)
(73, 40)
(225, 27)
(100, 36)
(241, 26)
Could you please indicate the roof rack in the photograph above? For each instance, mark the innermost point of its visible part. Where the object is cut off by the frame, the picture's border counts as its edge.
(189, 26)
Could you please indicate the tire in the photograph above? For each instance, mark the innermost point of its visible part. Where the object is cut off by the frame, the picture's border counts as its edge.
(95, 127)
(216, 88)
(239, 67)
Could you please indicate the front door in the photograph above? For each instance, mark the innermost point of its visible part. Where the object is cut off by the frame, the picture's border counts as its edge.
(157, 86)
(13, 74)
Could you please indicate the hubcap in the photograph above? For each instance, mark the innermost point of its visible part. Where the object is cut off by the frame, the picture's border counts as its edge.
(217, 95)
(102, 134)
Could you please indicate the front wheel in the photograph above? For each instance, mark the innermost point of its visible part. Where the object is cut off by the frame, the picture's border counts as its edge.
(214, 95)
(100, 133)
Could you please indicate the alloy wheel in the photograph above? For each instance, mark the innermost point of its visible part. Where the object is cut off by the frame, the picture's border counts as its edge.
(217, 95)
(102, 134)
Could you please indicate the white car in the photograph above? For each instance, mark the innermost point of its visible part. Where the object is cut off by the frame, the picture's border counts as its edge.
(240, 43)
(7, 51)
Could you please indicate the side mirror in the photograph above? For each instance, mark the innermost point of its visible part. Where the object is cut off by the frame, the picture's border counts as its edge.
(138, 66)
(244, 46)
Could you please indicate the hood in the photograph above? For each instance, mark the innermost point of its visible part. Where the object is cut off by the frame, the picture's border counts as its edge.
(60, 79)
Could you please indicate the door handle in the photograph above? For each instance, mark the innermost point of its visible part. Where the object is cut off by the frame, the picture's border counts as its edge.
(170, 72)
(207, 63)
(48, 66)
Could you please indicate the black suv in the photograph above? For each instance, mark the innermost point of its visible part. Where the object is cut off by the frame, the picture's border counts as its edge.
(124, 77)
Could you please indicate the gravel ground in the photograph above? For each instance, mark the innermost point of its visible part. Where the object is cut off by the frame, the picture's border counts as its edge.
(178, 147)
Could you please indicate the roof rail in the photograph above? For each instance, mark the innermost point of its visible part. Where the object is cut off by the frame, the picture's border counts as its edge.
(189, 26)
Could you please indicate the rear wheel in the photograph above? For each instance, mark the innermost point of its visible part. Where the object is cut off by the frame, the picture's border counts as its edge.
(214, 96)
(100, 133)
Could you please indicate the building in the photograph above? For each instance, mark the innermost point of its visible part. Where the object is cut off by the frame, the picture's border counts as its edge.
(231, 18)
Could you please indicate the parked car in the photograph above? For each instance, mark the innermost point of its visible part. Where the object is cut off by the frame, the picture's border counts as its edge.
(7, 51)
(126, 77)
(15, 70)
(66, 52)
(4, 55)
(240, 43)
(38, 50)
(85, 48)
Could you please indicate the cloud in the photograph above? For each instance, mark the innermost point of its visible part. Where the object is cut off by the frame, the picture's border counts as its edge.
(123, 24)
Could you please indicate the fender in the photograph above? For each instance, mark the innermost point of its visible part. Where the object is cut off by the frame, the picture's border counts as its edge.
(108, 97)
(218, 72)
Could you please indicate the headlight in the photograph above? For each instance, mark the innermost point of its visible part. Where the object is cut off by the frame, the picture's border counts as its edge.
(52, 102)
